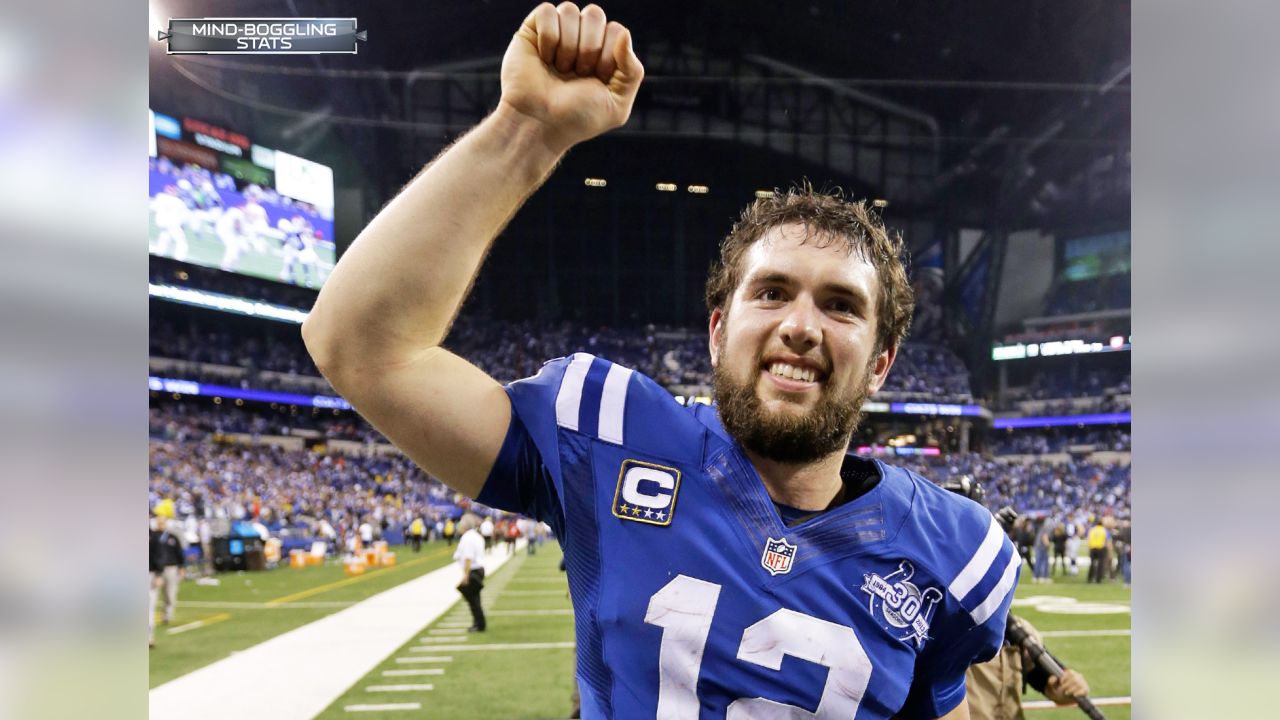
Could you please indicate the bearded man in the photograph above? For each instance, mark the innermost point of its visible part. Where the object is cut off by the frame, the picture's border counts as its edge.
(729, 561)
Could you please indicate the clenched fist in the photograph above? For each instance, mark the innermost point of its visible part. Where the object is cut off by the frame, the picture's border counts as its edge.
(571, 70)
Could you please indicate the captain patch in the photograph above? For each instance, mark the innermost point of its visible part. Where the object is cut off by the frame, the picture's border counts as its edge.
(646, 492)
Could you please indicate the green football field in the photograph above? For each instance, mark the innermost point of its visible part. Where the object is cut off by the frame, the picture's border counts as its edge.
(528, 673)
(205, 248)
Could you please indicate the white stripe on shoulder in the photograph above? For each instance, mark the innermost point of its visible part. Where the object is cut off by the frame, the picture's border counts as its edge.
(569, 399)
(980, 563)
(613, 404)
(999, 592)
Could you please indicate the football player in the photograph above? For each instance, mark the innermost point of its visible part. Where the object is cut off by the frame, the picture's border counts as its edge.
(239, 228)
(170, 215)
(724, 562)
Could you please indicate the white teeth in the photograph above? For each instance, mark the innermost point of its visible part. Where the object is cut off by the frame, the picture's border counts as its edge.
(792, 372)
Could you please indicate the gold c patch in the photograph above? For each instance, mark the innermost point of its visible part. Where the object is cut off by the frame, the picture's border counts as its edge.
(646, 492)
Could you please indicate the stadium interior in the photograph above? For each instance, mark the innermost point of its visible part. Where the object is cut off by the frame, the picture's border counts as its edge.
(993, 137)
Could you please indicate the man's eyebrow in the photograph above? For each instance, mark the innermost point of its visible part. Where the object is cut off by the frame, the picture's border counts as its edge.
(775, 276)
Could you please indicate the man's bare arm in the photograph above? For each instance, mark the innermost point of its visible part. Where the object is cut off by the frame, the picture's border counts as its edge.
(376, 328)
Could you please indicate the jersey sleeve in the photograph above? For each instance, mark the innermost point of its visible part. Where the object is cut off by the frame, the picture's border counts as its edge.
(523, 478)
(582, 395)
(972, 631)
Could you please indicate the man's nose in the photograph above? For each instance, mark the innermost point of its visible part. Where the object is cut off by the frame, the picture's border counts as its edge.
(801, 330)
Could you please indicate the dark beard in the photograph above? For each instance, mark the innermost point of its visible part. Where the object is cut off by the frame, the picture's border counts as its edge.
(787, 439)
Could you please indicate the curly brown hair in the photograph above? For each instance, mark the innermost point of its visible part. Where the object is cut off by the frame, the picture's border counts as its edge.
(828, 217)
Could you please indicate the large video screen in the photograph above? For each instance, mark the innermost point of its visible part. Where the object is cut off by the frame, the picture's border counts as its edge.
(219, 200)
(1094, 256)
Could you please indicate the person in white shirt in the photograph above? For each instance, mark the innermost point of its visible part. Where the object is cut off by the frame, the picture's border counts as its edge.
(470, 557)
(486, 531)
(170, 214)
(1073, 543)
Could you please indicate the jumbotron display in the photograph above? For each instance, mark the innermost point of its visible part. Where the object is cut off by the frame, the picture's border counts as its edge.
(219, 200)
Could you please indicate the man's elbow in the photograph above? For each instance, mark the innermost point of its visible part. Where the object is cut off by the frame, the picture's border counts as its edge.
(321, 344)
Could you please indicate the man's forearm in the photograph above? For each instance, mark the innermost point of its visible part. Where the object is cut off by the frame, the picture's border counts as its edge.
(399, 285)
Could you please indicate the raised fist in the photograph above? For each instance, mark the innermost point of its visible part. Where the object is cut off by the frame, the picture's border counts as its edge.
(571, 70)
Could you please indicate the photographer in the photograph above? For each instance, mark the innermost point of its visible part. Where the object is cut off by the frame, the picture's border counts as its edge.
(994, 689)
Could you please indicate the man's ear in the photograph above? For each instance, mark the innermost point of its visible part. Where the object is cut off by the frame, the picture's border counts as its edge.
(880, 369)
(713, 334)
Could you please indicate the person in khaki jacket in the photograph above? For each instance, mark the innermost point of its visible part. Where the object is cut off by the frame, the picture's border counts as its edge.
(994, 688)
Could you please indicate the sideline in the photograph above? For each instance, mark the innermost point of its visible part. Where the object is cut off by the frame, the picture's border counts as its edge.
(379, 572)
(199, 623)
(295, 676)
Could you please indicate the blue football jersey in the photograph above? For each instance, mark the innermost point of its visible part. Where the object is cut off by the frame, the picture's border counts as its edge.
(691, 597)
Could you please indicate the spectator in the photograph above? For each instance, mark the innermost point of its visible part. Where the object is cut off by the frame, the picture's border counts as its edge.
(1099, 537)
(166, 563)
(470, 557)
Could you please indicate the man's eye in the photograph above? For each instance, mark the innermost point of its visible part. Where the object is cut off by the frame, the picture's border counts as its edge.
(770, 294)
(841, 306)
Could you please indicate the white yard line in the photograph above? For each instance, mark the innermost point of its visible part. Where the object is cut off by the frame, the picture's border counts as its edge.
(497, 646)
(439, 640)
(230, 605)
(426, 659)
(198, 624)
(399, 688)
(537, 581)
(447, 631)
(507, 613)
(383, 706)
(1042, 704)
(417, 671)
(296, 675)
(1085, 633)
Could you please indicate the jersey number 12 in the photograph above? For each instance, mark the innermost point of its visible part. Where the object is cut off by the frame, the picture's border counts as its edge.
(683, 608)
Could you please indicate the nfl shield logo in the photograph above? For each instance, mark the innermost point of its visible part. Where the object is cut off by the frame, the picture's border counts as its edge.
(778, 555)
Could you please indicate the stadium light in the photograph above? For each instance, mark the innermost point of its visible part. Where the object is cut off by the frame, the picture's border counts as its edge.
(764, 194)
(698, 189)
(665, 187)
(595, 182)
(880, 203)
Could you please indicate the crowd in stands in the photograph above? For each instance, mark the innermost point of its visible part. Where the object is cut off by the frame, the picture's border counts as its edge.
(927, 372)
(196, 426)
(1038, 489)
(292, 493)
(182, 421)
(272, 346)
(509, 351)
(1090, 383)
(1074, 406)
(1098, 390)
(1072, 297)
(1042, 441)
(308, 494)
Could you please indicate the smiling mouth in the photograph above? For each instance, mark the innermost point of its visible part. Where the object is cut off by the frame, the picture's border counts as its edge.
(790, 376)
